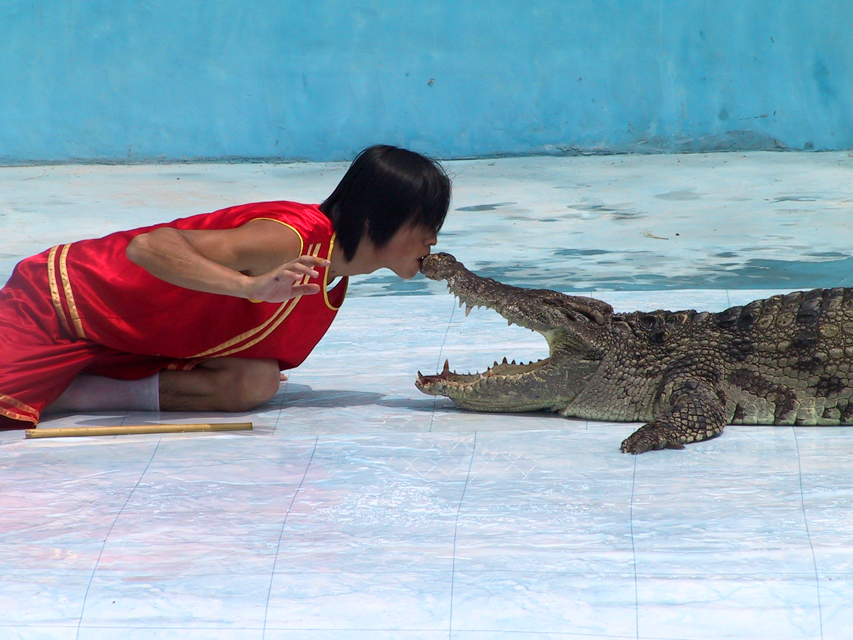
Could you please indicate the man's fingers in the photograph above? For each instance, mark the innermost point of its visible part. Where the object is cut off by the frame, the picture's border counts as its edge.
(313, 261)
(295, 272)
(305, 289)
(304, 265)
(286, 282)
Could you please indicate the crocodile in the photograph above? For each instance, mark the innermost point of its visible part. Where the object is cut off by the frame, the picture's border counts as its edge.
(783, 360)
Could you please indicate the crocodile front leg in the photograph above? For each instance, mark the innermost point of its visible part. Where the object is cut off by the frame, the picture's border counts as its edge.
(695, 413)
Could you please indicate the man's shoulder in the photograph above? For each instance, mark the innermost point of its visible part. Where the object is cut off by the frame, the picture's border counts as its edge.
(295, 214)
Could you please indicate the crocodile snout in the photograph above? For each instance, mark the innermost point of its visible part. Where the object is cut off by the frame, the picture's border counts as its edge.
(440, 266)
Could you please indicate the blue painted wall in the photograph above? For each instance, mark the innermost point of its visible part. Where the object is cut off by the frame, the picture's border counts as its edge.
(112, 80)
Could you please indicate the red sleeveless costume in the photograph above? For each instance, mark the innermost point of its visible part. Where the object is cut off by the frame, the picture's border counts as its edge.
(84, 307)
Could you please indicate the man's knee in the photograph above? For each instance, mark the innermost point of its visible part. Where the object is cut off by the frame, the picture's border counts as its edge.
(248, 383)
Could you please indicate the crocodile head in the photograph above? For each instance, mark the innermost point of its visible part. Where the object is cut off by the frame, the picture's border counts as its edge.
(575, 328)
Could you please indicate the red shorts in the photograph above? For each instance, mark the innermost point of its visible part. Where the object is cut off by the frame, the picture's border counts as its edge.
(39, 358)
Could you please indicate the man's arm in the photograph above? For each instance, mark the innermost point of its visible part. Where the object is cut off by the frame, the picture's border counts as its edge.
(258, 261)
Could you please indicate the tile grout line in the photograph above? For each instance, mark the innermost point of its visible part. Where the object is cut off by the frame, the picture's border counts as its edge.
(634, 554)
(106, 537)
(455, 534)
(438, 364)
(283, 392)
(808, 532)
(281, 533)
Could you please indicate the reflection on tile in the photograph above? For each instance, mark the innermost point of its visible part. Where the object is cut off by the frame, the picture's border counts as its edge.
(360, 508)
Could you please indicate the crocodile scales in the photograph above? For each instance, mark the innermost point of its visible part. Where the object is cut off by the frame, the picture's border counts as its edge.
(784, 360)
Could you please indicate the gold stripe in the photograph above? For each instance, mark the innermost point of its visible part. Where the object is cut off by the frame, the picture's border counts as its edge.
(55, 298)
(326, 277)
(263, 335)
(14, 402)
(69, 296)
(243, 336)
(282, 311)
(17, 416)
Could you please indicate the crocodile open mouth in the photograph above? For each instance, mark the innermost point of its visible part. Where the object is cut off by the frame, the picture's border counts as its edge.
(568, 323)
(501, 372)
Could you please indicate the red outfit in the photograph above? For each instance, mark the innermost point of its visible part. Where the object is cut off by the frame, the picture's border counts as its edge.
(84, 307)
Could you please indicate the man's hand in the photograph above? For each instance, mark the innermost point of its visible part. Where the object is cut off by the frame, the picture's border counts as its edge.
(281, 284)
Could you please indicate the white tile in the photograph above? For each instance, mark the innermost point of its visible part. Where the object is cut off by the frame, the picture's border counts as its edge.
(354, 634)
(39, 632)
(168, 633)
(727, 537)
(308, 550)
(390, 601)
(721, 607)
(158, 600)
(43, 598)
(547, 602)
(836, 614)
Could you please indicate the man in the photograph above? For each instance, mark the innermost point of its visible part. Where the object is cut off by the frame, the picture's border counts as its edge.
(202, 313)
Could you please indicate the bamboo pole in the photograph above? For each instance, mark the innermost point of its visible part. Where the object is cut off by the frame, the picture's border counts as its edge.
(68, 432)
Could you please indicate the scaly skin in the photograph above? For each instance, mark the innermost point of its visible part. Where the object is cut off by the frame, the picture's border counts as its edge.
(785, 360)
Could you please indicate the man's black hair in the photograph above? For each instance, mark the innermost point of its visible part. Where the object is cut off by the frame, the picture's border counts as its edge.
(385, 189)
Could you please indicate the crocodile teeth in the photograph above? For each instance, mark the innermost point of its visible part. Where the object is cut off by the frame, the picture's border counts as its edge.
(468, 308)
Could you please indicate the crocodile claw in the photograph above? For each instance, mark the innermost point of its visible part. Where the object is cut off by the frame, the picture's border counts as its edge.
(650, 437)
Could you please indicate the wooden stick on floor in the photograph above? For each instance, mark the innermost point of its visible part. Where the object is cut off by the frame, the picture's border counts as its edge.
(67, 432)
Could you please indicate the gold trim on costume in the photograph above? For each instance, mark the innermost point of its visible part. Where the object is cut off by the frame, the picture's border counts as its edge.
(326, 276)
(17, 404)
(69, 296)
(55, 298)
(18, 416)
(14, 402)
(265, 333)
(275, 319)
(244, 336)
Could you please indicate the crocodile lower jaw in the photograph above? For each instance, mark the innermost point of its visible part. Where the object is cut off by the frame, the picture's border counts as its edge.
(498, 374)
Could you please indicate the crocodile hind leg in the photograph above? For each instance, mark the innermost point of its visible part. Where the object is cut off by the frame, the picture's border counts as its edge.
(695, 413)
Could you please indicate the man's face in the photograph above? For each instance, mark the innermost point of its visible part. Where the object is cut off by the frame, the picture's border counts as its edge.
(405, 250)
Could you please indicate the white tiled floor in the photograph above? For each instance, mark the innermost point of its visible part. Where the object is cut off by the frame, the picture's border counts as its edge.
(359, 508)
